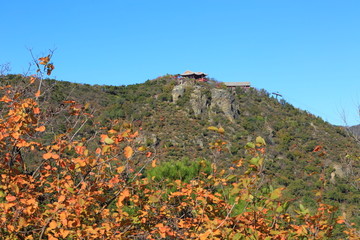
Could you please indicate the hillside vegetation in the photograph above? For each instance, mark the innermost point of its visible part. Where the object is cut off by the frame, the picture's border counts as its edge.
(197, 136)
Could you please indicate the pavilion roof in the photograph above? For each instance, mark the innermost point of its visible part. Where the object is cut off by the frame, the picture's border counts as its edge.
(237, 84)
(188, 73)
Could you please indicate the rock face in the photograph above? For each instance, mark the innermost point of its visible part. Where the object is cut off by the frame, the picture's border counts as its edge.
(199, 102)
(223, 99)
(177, 92)
(205, 103)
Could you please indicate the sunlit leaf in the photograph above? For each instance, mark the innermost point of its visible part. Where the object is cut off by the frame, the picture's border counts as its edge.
(47, 155)
(52, 224)
(142, 148)
(212, 128)
(260, 140)
(108, 141)
(10, 198)
(153, 163)
(37, 94)
(128, 152)
(276, 193)
(221, 130)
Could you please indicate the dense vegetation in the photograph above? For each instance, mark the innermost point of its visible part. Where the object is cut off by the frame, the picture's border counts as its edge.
(92, 162)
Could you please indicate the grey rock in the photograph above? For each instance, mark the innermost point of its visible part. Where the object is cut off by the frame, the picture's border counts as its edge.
(198, 102)
(223, 99)
(177, 92)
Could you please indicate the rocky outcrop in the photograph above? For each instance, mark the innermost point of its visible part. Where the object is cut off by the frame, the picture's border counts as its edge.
(198, 102)
(177, 92)
(225, 101)
(207, 102)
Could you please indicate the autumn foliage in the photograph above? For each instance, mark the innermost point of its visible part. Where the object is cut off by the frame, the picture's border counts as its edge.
(79, 191)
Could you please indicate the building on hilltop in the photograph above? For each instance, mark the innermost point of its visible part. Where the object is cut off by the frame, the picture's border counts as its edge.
(199, 76)
(233, 85)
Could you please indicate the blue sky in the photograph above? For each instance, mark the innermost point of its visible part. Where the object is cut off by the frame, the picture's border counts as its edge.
(309, 51)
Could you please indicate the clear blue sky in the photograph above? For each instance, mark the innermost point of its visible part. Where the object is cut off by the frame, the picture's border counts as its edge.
(307, 50)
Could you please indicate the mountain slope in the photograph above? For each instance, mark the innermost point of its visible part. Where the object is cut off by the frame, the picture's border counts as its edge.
(305, 154)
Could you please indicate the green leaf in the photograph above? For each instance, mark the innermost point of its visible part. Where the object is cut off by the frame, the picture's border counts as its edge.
(235, 191)
(276, 193)
(260, 140)
(254, 161)
(154, 199)
(302, 208)
(108, 141)
(250, 145)
(238, 236)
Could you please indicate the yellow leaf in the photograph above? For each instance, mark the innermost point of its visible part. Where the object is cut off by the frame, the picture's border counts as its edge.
(221, 130)
(120, 169)
(22, 222)
(128, 152)
(205, 235)
(212, 128)
(105, 149)
(142, 148)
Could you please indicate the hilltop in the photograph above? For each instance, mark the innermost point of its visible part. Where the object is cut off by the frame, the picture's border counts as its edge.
(304, 153)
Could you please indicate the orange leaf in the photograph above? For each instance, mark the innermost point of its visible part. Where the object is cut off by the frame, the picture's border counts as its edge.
(148, 154)
(317, 148)
(15, 135)
(47, 156)
(10, 198)
(5, 99)
(123, 195)
(37, 94)
(153, 163)
(32, 79)
(36, 110)
(128, 152)
(103, 137)
(340, 220)
(61, 198)
(98, 151)
(44, 60)
(40, 129)
(52, 224)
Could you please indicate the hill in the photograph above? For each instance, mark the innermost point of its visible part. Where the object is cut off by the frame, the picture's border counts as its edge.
(355, 130)
(304, 153)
